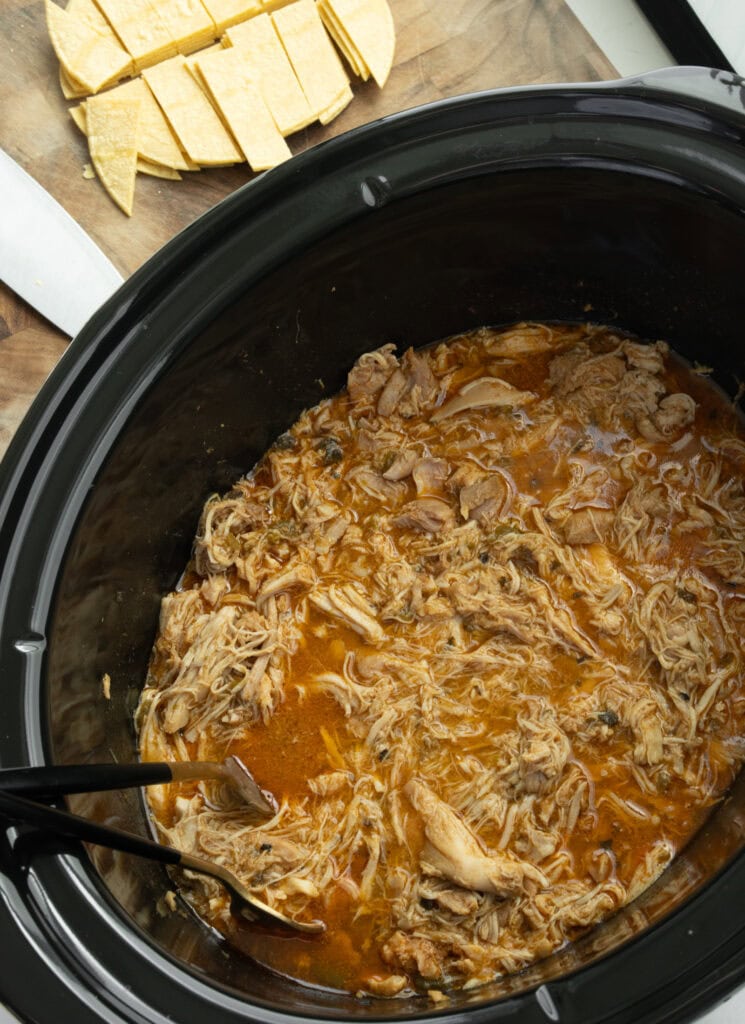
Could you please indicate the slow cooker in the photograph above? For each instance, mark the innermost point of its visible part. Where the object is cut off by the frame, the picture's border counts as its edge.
(621, 203)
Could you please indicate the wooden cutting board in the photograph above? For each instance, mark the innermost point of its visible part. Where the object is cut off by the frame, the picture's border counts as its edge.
(444, 48)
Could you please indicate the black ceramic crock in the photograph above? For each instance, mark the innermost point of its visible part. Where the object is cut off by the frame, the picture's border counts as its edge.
(622, 203)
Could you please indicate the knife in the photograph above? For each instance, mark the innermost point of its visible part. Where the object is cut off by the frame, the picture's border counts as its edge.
(45, 257)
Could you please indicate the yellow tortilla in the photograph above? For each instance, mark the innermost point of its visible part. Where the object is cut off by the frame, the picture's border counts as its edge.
(228, 79)
(188, 22)
(343, 43)
(157, 170)
(225, 13)
(112, 120)
(88, 59)
(369, 26)
(141, 30)
(191, 115)
(157, 143)
(335, 108)
(312, 55)
(90, 13)
(70, 90)
(78, 116)
(270, 68)
(191, 62)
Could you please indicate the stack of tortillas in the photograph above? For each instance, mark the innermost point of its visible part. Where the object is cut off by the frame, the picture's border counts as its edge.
(193, 102)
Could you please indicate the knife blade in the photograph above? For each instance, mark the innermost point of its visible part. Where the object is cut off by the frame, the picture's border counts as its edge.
(45, 257)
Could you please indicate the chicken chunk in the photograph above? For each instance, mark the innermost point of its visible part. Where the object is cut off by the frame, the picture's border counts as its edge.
(675, 413)
(429, 515)
(484, 498)
(388, 986)
(413, 955)
(588, 525)
(410, 388)
(429, 475)
(402, 465)
(370, 373)
(453, 852)
(484, 393)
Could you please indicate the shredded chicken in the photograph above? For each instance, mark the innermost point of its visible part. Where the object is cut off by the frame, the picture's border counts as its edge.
(478, 623)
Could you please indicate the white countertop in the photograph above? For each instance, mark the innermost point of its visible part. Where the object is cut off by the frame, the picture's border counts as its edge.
(622, 32)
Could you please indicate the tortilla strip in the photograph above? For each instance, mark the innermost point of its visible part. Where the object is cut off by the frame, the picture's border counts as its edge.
(70, 90)
(157, 170)
(271, 70)
(89, 13)
(78, 116)
(93, 16)
(189, 24)
(89, 60)
(337, 106)
(194, 70)
(369, 26)
(141, 30)
(343, 43)
(112, 120)
(229, 81)
(215, 48)
(312, 55)
(191, 115)
(225, 13)
(156, 142)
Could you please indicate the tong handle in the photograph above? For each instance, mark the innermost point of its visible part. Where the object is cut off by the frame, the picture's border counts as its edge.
(61, 823)
(52, 781)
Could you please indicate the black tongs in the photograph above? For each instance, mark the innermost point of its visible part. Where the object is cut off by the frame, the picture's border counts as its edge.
(23, 792)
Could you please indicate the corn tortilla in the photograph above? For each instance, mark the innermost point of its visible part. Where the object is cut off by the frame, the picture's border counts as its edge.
(157, 170)
(312, 55)
(272, 71)
(88, 59)
(78, 116)
(228, 79)
(140, 29)
(112, 120)
(189, 24)
(343, 43)
(368, 24)
(225, 13)
(91, 14)
(335, 108)
(71, 90)
(191, 115)
(156, 142)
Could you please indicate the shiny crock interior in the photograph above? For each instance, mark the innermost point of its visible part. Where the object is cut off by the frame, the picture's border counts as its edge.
(648, 255)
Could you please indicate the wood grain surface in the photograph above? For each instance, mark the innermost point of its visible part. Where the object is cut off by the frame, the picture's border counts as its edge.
(444, 48)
